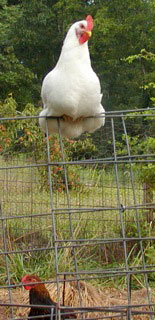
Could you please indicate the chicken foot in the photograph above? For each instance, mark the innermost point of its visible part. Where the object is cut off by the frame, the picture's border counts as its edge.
(70, 119)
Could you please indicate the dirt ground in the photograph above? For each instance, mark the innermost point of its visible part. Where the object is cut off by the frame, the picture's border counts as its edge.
(90, 297)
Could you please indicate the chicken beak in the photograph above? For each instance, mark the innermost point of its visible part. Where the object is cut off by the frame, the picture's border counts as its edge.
(88, 33)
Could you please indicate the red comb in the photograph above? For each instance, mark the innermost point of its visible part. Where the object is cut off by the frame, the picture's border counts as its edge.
(89, 20)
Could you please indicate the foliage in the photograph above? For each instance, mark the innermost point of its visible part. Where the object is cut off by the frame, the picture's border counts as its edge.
(147, 60)
(144, 171)
(15, 134)
(23, 135)
(81, 149)
(121, 29)
(15, 77)
(39, 50)
(120, 32)
(141, 140)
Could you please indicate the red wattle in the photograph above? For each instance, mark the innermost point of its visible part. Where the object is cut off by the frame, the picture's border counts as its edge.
(83, 38)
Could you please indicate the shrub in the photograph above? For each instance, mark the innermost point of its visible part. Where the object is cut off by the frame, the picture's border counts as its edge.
(20, 136)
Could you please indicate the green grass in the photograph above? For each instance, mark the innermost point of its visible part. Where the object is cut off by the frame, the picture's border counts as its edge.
(22, 195)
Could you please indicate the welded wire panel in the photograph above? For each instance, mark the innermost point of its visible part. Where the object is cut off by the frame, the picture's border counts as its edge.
(80, 211)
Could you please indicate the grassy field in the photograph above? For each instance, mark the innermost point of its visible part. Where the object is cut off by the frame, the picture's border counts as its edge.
(89, 211)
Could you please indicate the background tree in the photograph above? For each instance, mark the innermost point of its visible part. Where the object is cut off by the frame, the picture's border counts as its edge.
(34, 32)
(122, 28)
(15, 77)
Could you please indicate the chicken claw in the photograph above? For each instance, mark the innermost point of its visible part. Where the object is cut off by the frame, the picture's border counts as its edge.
(70, 119)
(79, 119)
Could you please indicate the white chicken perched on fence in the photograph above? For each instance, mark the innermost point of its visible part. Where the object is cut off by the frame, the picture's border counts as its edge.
(72, 89)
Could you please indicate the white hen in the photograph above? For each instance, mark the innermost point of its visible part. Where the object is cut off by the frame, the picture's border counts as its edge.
(72, 89)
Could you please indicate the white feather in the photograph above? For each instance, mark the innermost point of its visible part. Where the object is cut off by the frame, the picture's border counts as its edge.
(72, 88)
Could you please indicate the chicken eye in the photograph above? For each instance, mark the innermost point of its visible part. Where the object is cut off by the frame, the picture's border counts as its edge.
(82, 26)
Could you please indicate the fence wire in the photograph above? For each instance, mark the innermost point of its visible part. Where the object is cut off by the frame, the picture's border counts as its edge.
(80, 212)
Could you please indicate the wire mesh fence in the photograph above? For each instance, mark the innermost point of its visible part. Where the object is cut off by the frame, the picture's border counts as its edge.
(80, 214)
